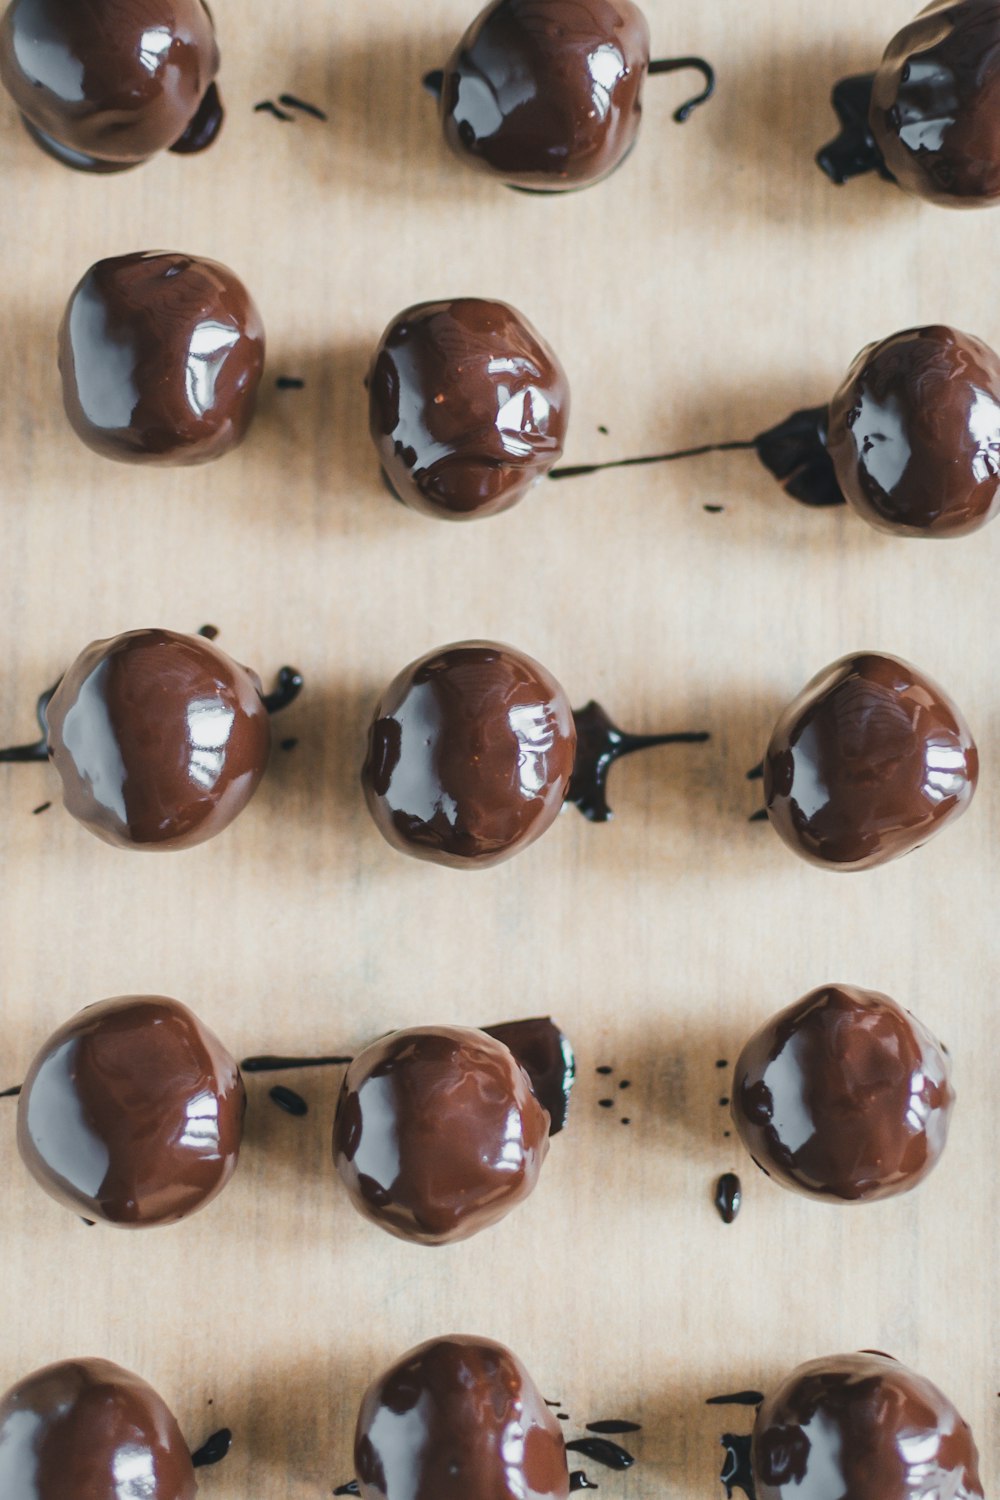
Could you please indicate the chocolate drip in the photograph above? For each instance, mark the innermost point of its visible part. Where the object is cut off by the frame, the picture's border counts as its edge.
(209, 632)
(737, 1470)
(728, 1196)
(795, 453)
(433, 82)
(579, 1481)
(350, 1488)
(756, 773)
(269, 1064)
(288, 1100)
(268, 107)
(289, 383)
(602, 1451)
(546, 1055)
(853, 153)
(11, 1093)
(205, 125)
(289, 687)
(737, 1398)
(213, 1450)
(599, 744)
(40, 749)
(676, 65)
(758, 817)
(579, 471)
(612, 1427)
(290, 101)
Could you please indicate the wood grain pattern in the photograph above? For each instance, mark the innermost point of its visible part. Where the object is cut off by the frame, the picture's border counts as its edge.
(712, 285)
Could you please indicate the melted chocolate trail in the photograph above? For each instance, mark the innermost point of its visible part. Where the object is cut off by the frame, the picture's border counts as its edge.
(599, 744)
(268, 107)
(433, 82)
(210, 632)
(270, 1064)
(756, 773)
(214, 1450)
(714, 510)
(291, 102)
(795, 453)
(546, 1055)
(737, 1398)
(40, 749)
(11, 1093)
(42, 807)
(578, 471)
(612, 1427)
(288, 689)
(350, 1488)
(758, 817)
(854, 152)
(602, 1451)
(676, 65)
(579, 1481)
(289, 383)
(728, 1197)
(205, 125)
(737, 1471)
(288, 1100)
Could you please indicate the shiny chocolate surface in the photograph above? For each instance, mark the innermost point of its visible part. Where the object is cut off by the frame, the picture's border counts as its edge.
(458, 1418)
(470, 755)
(914, 433)
(546, 94)
(85, 1429)
(871, 760)
(160, 739)
(132, 1113)
(438, 1133)
(104, 84)
(468, 407)
(844, 1096)
(161, 356)
(863, 1426)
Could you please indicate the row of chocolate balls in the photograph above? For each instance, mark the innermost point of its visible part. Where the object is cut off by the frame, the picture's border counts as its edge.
(132, 1112)
(161, 740)
(161, 356)
(546, 95)
(460, 1418)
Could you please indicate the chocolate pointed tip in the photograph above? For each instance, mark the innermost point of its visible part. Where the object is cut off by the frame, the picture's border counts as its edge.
(290, 685)
(205, 125)
(546, 1055)
(433, 82)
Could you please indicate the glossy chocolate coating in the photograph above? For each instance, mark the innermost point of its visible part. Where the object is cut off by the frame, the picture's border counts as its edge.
(160, 356)
(160, 739)
(470, 755)
(546, 94)
(864, 1426)
(438, 1133)
(132, 1113)
(105, 84)
(85, 1429)
(914, 433)
(935, 108)
(467, 407)
(844, 1096)
(870, 761)
(458, 1419)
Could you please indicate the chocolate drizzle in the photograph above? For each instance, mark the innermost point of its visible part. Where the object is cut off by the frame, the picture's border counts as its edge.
(213, 1450)
(579, 471)
(614, 1427)
(39, 750)
(546, 1055)
(599, 744)
(737, 1398)
(854, 152)
(676, 65)
(205, 125)
(270, 1064)
(289, 687)
(728, 1197)
(602, 1451)
(288, 1100)
(11, 1093)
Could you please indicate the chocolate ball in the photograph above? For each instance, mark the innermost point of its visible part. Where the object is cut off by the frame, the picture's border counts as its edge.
(467, 407)
(132, 1113)
(864, 1426)
(160, 739)
(470, 755)
(85, 1429)
(914, 433)
(547, 94)
(935, 107)
(105, 85)
(844, 1096)
(160, 356)
(870, 761)
(458, 1419)
(438, 1133)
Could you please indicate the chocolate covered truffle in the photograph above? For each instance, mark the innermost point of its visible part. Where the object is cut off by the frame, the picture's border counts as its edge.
(870, 761)
(844, 1096)
(458, 1419)
(470, 755)
(160, 739)
(914, 433)
(160, 356)
(85, 1429)
(864, 1426)
(132, 1113)
(104, 85)
(468, 407)
(547, 94)
(438, 1133)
